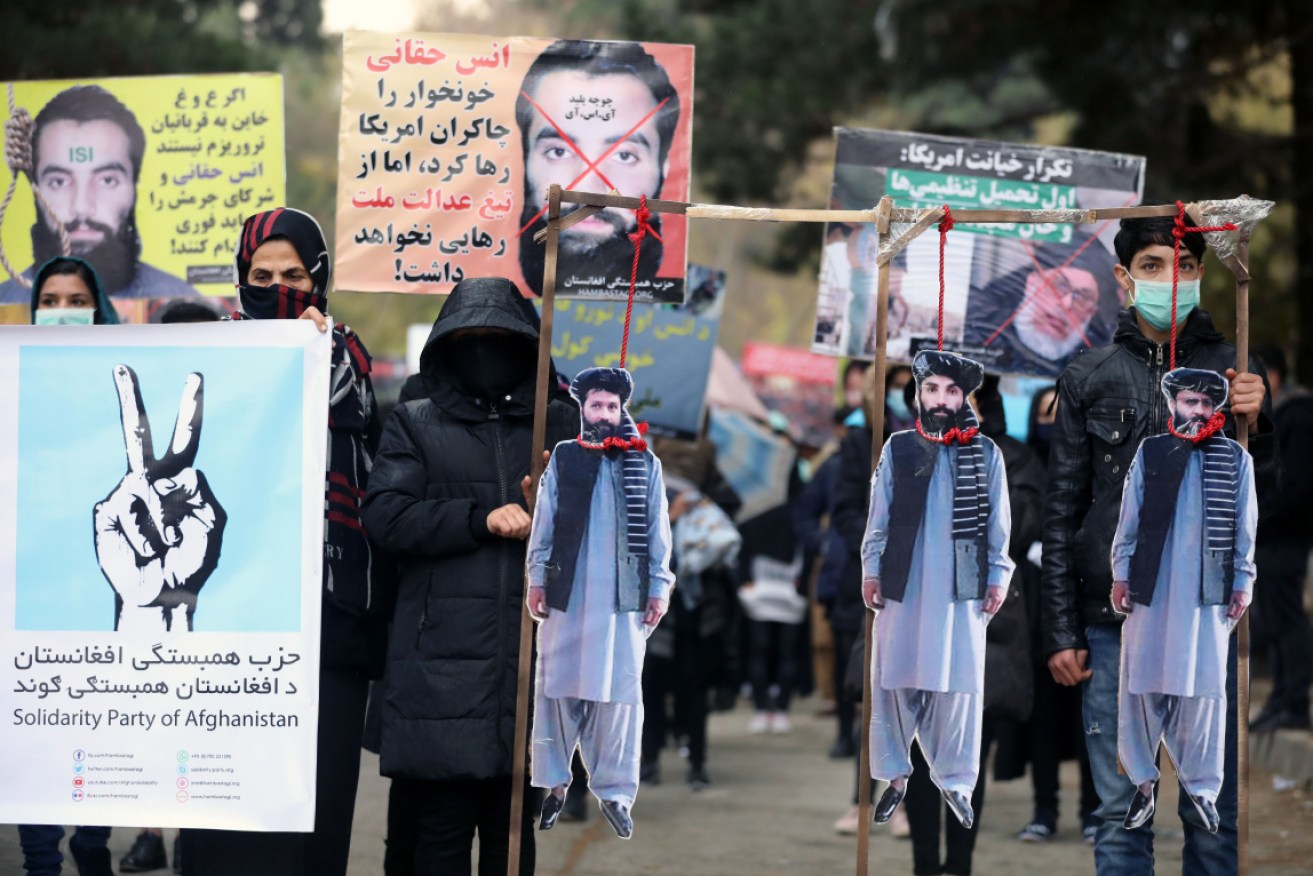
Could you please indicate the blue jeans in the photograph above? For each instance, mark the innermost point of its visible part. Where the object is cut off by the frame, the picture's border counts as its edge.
(41, 856)
(1122, 852)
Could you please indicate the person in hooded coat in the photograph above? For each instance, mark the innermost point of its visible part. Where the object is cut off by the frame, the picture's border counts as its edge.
(446, 498)
(283, 271)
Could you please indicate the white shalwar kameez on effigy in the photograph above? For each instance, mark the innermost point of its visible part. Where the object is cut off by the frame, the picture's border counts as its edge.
(1173, 684)
(929, 666)
(590, 657)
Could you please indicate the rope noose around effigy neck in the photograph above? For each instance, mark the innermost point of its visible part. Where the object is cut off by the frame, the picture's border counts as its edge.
(945, 225)
(19, 128)
(954, 435)
(642, 215)
(1179, 231)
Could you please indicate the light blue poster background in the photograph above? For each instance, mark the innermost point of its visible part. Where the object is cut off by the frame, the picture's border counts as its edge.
(670, 349)
(71, 456)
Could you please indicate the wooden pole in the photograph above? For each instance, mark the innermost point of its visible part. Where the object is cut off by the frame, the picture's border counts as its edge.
(877, 432)
(1242, 633)
(520, 743)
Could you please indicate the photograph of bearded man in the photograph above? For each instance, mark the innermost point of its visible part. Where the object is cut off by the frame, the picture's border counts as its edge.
(87, 151)
(599, 583)
(581, 100)
(935, 570)
(1183, 574)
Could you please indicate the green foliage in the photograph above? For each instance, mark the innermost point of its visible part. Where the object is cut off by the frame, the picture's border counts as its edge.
(86, 38)
(772, 76)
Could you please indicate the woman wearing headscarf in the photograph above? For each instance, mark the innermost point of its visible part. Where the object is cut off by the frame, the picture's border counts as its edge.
(283, 272)
(67, 291)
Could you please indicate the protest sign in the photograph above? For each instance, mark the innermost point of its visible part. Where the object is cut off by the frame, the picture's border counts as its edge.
(160, 666)
(449, 142)
(150, 176)
(670, 347)
(797, 383)
(1021, 299)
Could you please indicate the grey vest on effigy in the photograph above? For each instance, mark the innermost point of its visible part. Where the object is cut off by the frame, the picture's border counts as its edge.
(1165, 458)
(913, 464)
(577, 469)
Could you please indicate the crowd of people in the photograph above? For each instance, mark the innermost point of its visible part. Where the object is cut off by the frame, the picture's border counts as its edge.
(770, 607)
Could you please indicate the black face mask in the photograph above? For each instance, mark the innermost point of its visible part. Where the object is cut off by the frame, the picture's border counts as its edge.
(491, 365)
(278, 302)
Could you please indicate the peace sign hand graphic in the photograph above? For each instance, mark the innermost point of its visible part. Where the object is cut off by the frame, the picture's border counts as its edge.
(158, 533)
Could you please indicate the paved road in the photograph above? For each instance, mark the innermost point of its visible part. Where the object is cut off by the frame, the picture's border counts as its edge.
(770, 811)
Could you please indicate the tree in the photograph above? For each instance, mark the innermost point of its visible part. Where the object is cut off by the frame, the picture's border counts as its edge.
(85, 38)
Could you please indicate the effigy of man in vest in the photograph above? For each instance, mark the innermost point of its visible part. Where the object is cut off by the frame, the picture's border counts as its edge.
(1183, 574)
(599, 582)
(935, 569)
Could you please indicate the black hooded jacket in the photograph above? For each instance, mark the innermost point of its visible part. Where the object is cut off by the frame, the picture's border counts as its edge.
(1109, 400)
(445, 462)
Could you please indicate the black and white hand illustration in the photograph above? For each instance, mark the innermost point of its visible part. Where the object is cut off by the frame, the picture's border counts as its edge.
(158, 533)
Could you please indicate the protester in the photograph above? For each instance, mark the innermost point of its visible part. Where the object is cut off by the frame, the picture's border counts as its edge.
(1039, 426)
(770, 567)
(1284, 540)
(446, 499)
(823, 557)
(284, 272)
(847, 614)
(688, 656)
(67, 291)
(1053, 733)
(898, 414)
(1108, 401)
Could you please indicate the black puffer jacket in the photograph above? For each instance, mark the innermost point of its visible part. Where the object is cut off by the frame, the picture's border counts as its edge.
(1109, 400)
(444, 463)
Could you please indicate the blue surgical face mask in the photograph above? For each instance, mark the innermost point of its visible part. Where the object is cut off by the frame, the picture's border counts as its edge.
(1153, 301)
(66, 316)
(898, 405)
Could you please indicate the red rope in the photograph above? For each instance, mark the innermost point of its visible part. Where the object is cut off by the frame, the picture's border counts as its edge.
(1178, 233)
(1206, 431)
(642, 214)
(945, 225)
(614, 443)
(961, 436)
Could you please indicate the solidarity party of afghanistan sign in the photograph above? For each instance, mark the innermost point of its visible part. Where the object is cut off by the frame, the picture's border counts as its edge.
(149, 178)
(1019, 298)
(161, 538)
(450, 142)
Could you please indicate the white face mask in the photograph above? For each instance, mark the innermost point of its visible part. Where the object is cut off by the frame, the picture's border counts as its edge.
(66, 316)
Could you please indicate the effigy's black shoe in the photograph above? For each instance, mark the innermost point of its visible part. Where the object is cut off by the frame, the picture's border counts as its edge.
(960, 805)
(551, 811)
(618, 814)
(1140, 810)
(889, 800)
